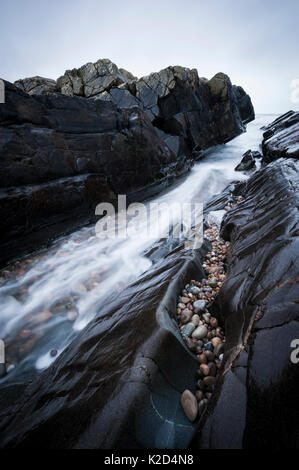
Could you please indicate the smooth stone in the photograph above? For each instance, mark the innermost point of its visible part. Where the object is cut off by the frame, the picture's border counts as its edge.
(190, 344)
(221, 357)
(199, 395)
(199, 306)
(219, 350)
(206, 318)
(186, 316)
(214, 322)
(195, 319)
(200, 332)
(216, 341)
(181, 306)
(190, 405)
(209, 381)
(205, 369)
(210, 356)
(188, 330)
(185, 300)
(202, 359)
(194, 290)
(214, 281)
(213, 369)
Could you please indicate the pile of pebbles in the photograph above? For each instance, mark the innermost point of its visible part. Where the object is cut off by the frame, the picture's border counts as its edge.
(201, 331)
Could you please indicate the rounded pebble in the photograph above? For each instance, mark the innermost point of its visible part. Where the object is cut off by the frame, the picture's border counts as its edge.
(190, 405)
(200, 332)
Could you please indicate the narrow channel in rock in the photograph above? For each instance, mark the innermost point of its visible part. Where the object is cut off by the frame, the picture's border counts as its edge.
(201, 331)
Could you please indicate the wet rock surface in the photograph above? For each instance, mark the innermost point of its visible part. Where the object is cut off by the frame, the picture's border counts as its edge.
(255, 402)
(119, 384)
(281, 138)
(248, 161)
(61, 156)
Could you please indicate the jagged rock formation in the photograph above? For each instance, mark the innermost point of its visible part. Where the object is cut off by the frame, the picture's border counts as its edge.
(256, 401)
(192, 113)
(61, 156)
(37, 85)
(244, 104)
(281, 138)
(248, 161)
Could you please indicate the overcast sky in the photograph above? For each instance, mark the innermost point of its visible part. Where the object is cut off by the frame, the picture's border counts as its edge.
(254, 41)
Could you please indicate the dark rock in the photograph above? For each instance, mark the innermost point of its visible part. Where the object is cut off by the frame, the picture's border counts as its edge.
(248, 161)
(255, 406)
(61, 156)
(191, 113)
(281, 138)
(244, 104)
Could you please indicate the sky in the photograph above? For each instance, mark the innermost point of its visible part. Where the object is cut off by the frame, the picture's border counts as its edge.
(255, 42)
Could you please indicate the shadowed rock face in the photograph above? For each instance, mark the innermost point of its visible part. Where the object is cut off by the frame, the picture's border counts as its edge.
(281, 138)
(256, 406)
(61, 156)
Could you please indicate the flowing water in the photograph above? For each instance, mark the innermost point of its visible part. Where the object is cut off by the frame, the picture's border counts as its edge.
(47, 298)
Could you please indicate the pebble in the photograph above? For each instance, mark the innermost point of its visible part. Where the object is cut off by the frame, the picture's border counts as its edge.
(199, 306)
(205, 369)
(194, 290)
(209, 380)
(188, 330)
(186, 316)
(219, 350)
(213, 322)
(216, 341)
(200, 332)
(195, 320)
(190, 405)
(202, 358)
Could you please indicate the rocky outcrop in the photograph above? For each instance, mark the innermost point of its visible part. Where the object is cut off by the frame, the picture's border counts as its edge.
(244, 104)
(191, 112)
(61, 156)
(37, 85)
(248, 161)
(255, 403)
(281, 138)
